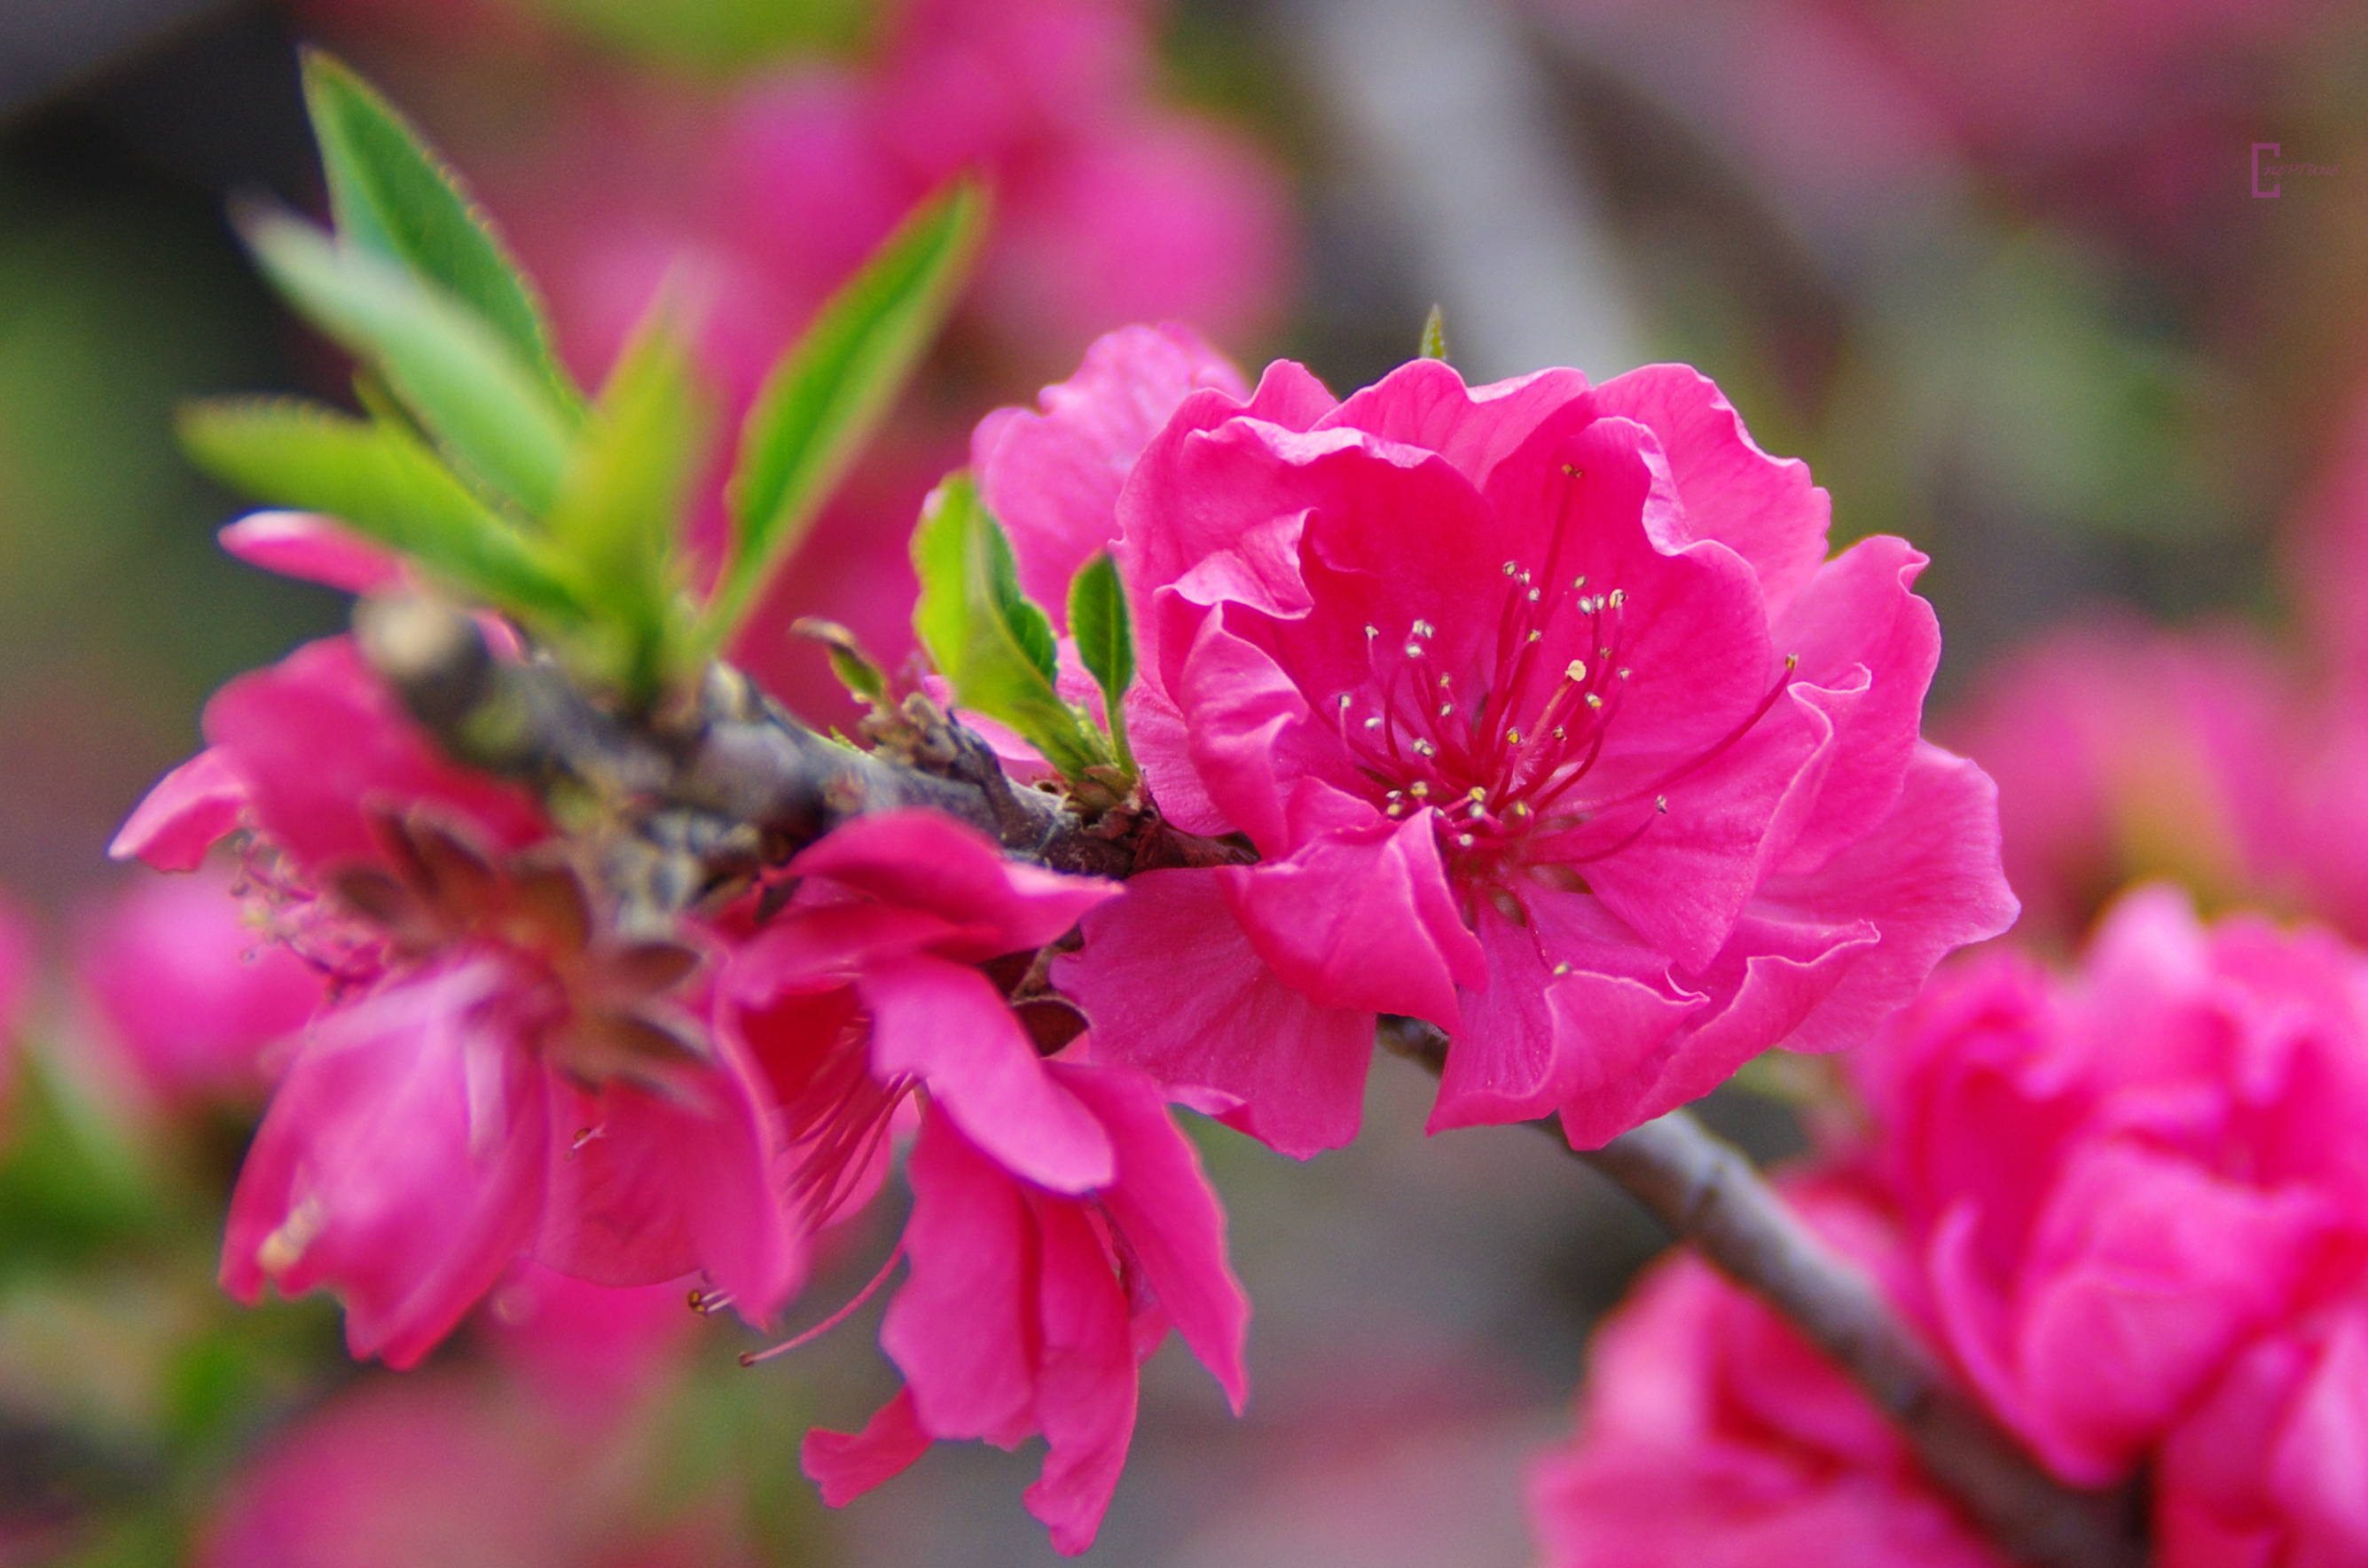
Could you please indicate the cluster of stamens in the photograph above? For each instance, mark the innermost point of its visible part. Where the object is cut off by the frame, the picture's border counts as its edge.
(1501, 754)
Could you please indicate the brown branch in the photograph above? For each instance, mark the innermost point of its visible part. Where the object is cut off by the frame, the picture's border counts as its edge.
(1705, 1192)
(730, 783)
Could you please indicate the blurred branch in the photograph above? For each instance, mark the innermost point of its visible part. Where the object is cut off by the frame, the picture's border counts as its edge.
(1707, 1193)
(731, 784)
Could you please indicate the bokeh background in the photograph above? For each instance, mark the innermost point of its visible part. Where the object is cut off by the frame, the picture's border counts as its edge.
(2022, 280)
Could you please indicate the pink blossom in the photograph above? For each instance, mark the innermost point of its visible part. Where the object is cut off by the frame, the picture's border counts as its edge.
(1553, 725)
(1711, 1435)
(868, 987)
(2139, 1203)
(194, 995)
(1061, 1223)
(498, 1078)
(1028, 1310)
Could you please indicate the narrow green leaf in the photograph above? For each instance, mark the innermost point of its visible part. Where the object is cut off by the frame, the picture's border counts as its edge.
(385, 483)
(620, 508)
(461, 377)
(968, 625)
(853, 667)
(391, 194)
(1104, 630)
(1434, 334)
(827, 394)
(1030, 627)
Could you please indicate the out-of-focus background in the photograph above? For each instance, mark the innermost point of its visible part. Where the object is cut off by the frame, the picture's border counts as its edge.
(2073, 293)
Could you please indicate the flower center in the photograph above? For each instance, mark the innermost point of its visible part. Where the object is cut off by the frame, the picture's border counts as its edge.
(1501, 752)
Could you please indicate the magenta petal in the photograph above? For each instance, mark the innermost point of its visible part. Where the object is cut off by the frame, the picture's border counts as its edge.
(1565, 1017)
(1425, 404)
(962, 1323)
(1764, 509)
(320, 741)
(1174, 987)
(1241, 717)
(1171, 1218)
(920, 860)
(1086, 1384)
(1856, 621)
(1366, 923)
(847, 1464)
(1926, 876)
(400, 1165)
(1052, 479)
(943, 1024)
(643, 1190)
(180, 819)
(314, 548)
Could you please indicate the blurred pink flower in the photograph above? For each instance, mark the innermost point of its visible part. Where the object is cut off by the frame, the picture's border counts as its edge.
(497, 1078)
(1553, 726)
(2122, 753)
(2139, 1201)
(193, 992)
(588, 1352)
(1029, 1311)
(1711, 1435)
(2131, 1205)
(443, 1471)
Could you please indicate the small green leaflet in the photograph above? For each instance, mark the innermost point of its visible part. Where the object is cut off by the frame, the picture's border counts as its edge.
(628, 475)
(1434, 334)
(1105, 637)
(391, 195)
(830, 392)
(989, 641)
(385, 484)
(453, 371)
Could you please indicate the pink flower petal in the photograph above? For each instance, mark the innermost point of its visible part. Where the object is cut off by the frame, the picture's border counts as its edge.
(1086, 1382)
(1174, 987)
(186, 814)
(1171, 1218)
(314, 549)
(1366, 923)
(847, 1464)
(961, 1323)
(920, 860)
(943, 1024)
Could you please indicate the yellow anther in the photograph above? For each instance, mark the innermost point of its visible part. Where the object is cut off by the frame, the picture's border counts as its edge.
(1575, 670)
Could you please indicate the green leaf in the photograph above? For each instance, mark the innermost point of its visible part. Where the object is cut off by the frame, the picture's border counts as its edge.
(620, 508)
(1434, 334)
(385, 483)
(1105, 635)
(853, 667)
(462, 379)
(980, 630)
(391, 195)
(827, 394)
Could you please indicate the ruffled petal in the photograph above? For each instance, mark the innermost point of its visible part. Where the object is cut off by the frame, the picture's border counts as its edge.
(1171, 1218)
(189, 810)
(961, 1323)
(1085, 1384)
(846, 1465)
(1173, 986)
(1364, 922)
(1764, 509)
(942, 1023)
